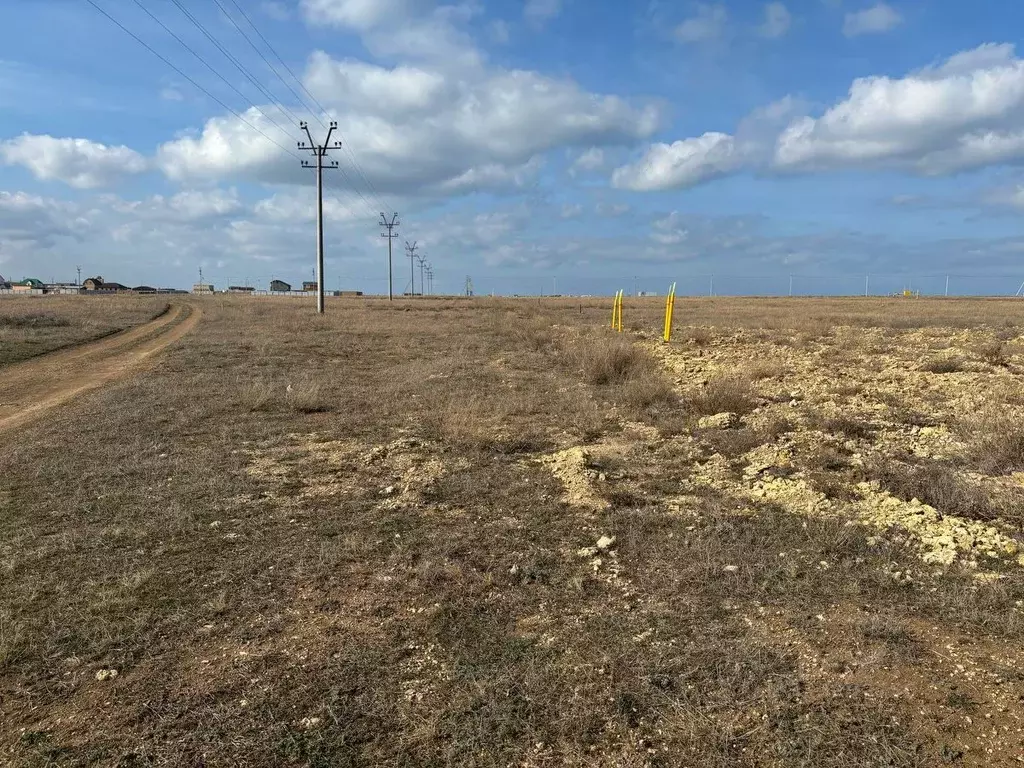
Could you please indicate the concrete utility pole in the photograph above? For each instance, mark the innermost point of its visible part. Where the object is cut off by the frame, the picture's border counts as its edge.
(390, 235)
(423, 262)
(320, 152)
(430, 279)
(80, 275)
(410, 248)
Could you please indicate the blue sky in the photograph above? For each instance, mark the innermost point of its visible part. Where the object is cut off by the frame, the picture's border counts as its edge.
(532, 145)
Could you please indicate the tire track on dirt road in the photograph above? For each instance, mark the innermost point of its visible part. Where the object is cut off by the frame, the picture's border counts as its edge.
(30, 388)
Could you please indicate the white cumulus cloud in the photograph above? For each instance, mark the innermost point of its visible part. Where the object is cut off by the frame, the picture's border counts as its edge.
(681, 164)
(436, 132)
(964, 113)
(879, 18)
(80, 163)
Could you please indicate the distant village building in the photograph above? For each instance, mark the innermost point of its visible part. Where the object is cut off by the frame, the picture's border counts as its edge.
(241, 289)
(63, 288)
(144, 289)
(203, 289)
(29, 285)
(348, 293)
(5, 285)
(99, 284)
(309, 285)
(279, 286)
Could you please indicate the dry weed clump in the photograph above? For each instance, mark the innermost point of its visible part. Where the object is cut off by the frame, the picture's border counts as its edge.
(943, 365)
(733, 394)
(766, 369)
(996, 440)
(993, 352)
(934, 483)
(638, 380)
(305, 394)
(609, 359)
(842, 425)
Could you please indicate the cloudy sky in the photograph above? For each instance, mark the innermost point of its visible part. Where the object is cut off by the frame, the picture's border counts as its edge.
(536, 145)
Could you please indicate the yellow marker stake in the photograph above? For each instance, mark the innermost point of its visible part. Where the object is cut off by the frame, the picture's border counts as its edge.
(615, 311)
(670, 305)
(619, 326)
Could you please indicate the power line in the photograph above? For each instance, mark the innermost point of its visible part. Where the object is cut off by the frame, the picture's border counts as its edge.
(205, 91)
(248, 19)
(230, 57)
(207, 64)
(162, 58)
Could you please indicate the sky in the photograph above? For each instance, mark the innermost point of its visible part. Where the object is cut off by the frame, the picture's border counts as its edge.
(536, 146)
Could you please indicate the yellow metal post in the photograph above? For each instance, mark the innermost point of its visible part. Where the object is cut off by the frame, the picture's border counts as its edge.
(619, 326)
(615, 310)
(670, 304)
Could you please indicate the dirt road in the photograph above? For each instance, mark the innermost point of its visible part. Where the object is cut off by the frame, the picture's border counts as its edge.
(34, 386)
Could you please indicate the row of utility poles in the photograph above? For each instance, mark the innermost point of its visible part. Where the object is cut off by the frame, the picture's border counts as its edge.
(320, 151)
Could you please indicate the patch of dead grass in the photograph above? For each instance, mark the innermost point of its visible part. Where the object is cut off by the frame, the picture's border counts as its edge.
(733, 394)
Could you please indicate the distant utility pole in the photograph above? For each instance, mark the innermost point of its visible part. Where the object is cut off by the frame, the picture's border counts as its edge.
(469, 285)
(866, 279)
(320, 152)
(80, 275)
(410, 248)
(423, 262)
(390, 235)
(430, 279)
(947, 285)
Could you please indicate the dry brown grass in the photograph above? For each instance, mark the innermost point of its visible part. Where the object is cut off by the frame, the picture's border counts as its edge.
(216, 545)
(943, 365)
(996, 440)
(842, 424)
(758, 370)
(35, 325)
(721, 394)
(608, 359)
(993, 352)
(940, 485)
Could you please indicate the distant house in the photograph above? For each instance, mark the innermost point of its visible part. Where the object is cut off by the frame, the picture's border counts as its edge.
(144, 289)
(348, 293)
(99, 284)
(279, 286)
(28, 285)
(241, 289)
(309, 285)
(203, 289)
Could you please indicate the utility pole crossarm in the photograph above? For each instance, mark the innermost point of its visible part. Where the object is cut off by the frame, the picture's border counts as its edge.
(390, 235)
(320, 152)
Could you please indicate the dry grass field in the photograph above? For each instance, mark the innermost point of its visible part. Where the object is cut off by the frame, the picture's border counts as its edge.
(34, 325)
(492, 533)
